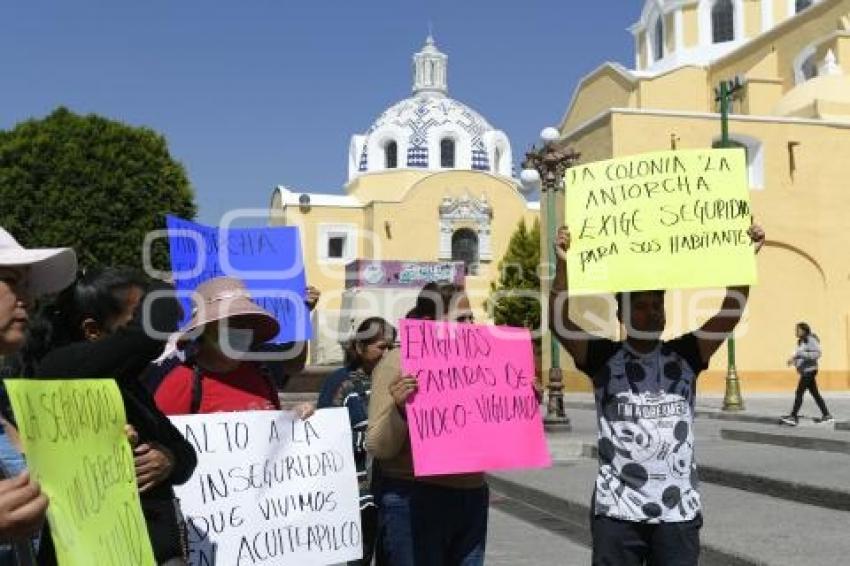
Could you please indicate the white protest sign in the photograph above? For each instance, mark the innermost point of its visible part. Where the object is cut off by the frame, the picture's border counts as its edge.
(271, 489)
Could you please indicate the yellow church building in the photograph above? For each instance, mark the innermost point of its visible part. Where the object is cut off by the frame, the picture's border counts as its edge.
(791, 114)
(431, 180)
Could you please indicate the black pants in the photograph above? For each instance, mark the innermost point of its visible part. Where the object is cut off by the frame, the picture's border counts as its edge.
(807, 381)
(626, 543)
(369, 528)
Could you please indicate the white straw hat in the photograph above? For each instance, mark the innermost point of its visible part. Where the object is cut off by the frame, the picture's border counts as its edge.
(50, 269)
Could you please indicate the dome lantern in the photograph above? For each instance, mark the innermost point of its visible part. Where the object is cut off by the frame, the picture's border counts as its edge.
(430, 71)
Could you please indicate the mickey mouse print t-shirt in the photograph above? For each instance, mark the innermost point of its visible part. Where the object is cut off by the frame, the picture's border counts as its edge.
(645, 415)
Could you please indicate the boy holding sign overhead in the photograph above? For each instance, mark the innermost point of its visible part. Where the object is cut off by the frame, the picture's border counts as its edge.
(646, 506)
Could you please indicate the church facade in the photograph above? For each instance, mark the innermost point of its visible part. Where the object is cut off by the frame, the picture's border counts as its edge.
(789, 64)
(431, 180)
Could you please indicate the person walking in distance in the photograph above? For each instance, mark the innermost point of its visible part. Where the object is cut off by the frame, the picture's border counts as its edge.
(805, 360)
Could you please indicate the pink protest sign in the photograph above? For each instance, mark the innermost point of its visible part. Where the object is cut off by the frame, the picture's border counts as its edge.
(475, 409)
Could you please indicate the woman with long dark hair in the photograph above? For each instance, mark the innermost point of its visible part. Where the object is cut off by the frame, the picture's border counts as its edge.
(351, 387)
(99, 328)
(805, 360)
(422, 520)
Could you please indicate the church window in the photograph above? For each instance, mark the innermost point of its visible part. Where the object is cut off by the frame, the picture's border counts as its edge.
(447, 152)
(337, 242)
(658, 40)
(336, 247)
(391, 155)
(723, 21)
(801, 5)
(465, 249)
(497, 160)
(806, 65)
(809, 67)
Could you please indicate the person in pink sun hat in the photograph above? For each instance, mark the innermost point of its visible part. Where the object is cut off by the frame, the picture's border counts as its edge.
(217, 376)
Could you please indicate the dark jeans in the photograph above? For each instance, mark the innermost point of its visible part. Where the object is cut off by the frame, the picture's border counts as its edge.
(807, 381)
(625, 543)
(369, 528)
(165, 529)
(421, 524)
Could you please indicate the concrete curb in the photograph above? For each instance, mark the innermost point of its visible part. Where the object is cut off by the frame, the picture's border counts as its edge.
(736, 417)
(787, 440)
(573, 515)
(781, 489)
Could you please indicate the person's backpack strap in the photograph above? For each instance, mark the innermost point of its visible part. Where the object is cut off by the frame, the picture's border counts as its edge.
(266, 372)
(197, 390)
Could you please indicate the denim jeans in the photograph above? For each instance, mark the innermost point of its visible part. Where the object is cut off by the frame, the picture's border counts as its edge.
(422, 524)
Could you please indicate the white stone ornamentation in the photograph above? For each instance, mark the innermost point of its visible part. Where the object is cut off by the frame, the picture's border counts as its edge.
(466, 211)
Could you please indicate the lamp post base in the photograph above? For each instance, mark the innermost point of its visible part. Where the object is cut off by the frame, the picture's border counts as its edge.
(556, 419)
(732, 400)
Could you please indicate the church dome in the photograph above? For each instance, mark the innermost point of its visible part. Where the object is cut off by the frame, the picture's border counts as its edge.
(429, 130)
(825, 97)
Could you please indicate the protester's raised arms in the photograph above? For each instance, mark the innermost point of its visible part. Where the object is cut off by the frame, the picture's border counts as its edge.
(715, 331)
(313, 294)
(568, 333)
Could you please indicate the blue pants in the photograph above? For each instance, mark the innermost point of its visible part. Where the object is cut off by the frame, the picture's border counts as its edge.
(422, 524)
(11, 464)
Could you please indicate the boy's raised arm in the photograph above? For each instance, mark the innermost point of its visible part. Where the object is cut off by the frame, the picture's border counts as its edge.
(715, 331)
(568, 333)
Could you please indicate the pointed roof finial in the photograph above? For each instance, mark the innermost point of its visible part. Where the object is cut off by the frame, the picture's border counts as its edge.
(830, 64)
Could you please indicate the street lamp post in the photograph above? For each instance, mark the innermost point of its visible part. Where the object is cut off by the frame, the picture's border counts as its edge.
(732, 400)
(546, 167)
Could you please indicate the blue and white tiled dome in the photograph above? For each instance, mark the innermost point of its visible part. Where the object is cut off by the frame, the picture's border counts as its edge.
(419, 131)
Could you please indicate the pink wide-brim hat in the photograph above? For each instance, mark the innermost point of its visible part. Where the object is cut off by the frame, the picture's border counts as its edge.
(224, 298)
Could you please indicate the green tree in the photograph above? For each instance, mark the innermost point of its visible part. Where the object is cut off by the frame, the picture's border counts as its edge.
(91, 183)
(514, 298)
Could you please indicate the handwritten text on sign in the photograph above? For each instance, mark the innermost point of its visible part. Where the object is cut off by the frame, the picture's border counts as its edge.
(73, 435)
(668, 220)
(267, 260)
(475, 408)
(271, 489)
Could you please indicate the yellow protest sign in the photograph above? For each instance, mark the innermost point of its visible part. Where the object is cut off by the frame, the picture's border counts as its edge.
(667, 220)
(76, 447)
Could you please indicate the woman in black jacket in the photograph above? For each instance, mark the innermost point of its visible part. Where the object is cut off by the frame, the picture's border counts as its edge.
(108, 333)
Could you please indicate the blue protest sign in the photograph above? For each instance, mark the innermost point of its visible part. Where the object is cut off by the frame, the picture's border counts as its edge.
(267, 260)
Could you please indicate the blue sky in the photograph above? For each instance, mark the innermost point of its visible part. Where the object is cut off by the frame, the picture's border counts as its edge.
(256, 93)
